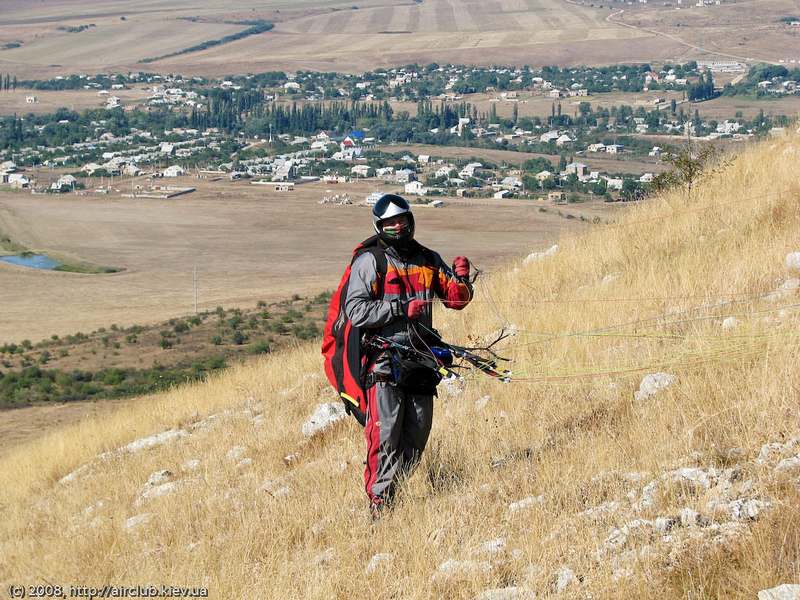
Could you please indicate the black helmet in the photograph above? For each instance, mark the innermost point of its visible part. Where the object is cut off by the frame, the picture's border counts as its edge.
(388, 206)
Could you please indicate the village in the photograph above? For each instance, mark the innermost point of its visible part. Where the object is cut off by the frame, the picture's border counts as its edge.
(284, 130)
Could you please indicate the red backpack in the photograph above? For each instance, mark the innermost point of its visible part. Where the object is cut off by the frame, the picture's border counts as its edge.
(341, 342)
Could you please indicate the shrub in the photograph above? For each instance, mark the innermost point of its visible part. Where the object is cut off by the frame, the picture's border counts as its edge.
(181, 327)
(260, 347)
(239, 338)
(165, 344)
(216, 340)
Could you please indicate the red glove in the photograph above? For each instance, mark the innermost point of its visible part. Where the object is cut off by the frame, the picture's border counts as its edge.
(461, 267)
(415, 309)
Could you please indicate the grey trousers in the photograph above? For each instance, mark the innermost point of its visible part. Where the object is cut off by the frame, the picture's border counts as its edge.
(398, 426)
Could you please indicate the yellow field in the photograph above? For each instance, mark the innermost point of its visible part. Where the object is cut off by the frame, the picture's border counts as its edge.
(248, 243)
(603, 476)
(333, 35)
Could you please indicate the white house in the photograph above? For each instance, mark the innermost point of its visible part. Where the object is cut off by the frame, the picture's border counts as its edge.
(549, 136)
(578, 168)
(563, 140)
(30, 99)
(385, 172)
(404, 175)
(502, 194)
(656, 151)
(423, 159)
(511, 183)
(174, 171)
(291, 86)
(360, 170)
(18, 180)
(543, 176)
(599, 147)
(614, 149)
(415, 188)
(469, 170)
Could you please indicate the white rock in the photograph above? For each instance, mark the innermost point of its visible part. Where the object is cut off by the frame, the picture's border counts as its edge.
(451, 387)
(525, 503)
(689, 517)
(378, 561)
(159, 477)
(138, 520)
(610, 278)
(236, 453)
(767, 450)
(457, 568)
(244, 463)
(156, 491)
(744, 509)
(507, 593)
(565, 577)
(536, 256)
(601, 510)
(259, 420)
(491, 547)
(786, 591)
(154, 440)
(323, 417)
(191, 464)
(793, 261)
(788, 464)
(72, 476)
(481, 402)
(652, 384)
(786, 289)
(664, 524)
(648, 496)
(730, 323)
(694, 476)
(324, 557)
(275, 488)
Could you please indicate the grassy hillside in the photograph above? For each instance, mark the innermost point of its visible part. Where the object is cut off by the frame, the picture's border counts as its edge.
(561, 482)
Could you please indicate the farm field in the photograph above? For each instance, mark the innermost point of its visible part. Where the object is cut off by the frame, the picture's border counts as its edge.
(248, 244)
(595, 161)
(315, 35)
(48, 101)
(747, 30)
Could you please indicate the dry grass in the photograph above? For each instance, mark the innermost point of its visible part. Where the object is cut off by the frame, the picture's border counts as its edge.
(567, 437)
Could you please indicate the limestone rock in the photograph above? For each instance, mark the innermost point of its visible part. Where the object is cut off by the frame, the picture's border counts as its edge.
(191, 465)
(495, 546)
(378, 561)
(324, 557)
(236, 453)
(452, 568)
(525, 503)
(323, 417)
(138, 520)
(536, 256)
(652, 384)
(565, 577)
(786, 591)
(788, 464)
(153, 440)
(481, 402)
(730, 323)
(159, 477)
(507, 593)
(793, 261)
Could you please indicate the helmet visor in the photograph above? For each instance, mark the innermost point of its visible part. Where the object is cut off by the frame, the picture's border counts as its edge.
(383, 208)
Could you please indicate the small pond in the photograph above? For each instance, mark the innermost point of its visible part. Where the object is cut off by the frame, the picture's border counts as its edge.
(34, 261)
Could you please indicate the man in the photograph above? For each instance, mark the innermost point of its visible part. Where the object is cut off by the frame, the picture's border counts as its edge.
(399, 412)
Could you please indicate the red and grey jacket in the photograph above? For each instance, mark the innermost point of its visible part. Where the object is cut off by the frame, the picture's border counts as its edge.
(419, 274)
